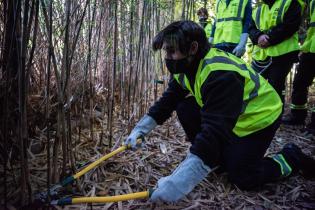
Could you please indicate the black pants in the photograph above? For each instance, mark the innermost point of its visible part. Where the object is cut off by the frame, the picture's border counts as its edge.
(303, 79)
(242, 158)
(277, 72)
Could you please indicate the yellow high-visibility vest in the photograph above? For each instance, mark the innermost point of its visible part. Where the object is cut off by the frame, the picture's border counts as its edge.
(266, 18)
(261, 103)
(229, 19)
(208, 29)
(309, 43)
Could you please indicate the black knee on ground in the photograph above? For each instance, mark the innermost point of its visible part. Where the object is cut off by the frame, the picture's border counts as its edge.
(243, 179)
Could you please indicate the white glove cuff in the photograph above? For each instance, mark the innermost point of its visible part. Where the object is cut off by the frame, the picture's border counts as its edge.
(187, 175)
(145, 125)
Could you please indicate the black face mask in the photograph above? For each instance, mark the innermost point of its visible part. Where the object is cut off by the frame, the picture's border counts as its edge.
(177, 66)
(203, 20)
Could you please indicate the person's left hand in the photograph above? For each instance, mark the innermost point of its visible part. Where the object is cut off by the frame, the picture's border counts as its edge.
(240, 49)
(182, 181)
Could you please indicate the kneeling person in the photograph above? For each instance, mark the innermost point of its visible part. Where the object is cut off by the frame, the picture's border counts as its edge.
(230, 120)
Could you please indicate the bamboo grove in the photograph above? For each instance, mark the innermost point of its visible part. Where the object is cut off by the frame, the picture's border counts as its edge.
(62, 62)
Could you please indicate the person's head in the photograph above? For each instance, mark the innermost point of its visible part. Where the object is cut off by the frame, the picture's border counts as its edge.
(184, 43)
(202, 15)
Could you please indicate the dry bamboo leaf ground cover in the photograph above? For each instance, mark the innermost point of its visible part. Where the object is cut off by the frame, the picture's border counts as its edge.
(134, 171)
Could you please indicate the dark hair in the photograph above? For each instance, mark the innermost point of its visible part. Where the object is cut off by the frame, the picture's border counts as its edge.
(202, 10)
(181, 34)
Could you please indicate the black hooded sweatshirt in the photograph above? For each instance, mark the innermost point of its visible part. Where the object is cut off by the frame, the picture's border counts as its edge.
(222, 95)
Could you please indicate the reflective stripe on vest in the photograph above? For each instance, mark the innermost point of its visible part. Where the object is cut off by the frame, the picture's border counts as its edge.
(229, 19)
(266, 18)
(309, 43)
(239, 10)
(261, 104)
(229, 24)
(294, 106)
(253, 75)
(284, 166)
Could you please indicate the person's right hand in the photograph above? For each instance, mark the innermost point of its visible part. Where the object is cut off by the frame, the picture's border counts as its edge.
(263, 41)
(143, 127)
(132, 140)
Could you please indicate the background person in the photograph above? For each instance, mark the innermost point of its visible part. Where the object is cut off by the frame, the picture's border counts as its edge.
(230, 29)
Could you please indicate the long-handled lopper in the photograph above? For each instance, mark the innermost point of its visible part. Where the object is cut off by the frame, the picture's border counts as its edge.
(103, 199)
(53, 191)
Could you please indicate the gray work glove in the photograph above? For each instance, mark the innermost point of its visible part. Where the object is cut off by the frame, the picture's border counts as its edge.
(143, 127)
(240, 49)
(210, 40)
(182, 181)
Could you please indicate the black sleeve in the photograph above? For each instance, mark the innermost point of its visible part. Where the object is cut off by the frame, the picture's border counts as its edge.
(163, 108)
(213, 29)
(291, 22)
(222, 94)
(247, 16)
(254, 33)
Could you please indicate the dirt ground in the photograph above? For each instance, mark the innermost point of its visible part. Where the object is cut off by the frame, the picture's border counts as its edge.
(135, 171)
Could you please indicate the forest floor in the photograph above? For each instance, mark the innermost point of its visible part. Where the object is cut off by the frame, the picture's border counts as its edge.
(165, 148)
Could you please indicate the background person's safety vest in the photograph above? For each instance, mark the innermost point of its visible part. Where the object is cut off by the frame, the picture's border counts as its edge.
(208, 29)
(309, 43)
(261, 104)
(266, 18)
(229, 25)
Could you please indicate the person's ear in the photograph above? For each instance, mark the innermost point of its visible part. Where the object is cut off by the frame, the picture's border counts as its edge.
(193, 48)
